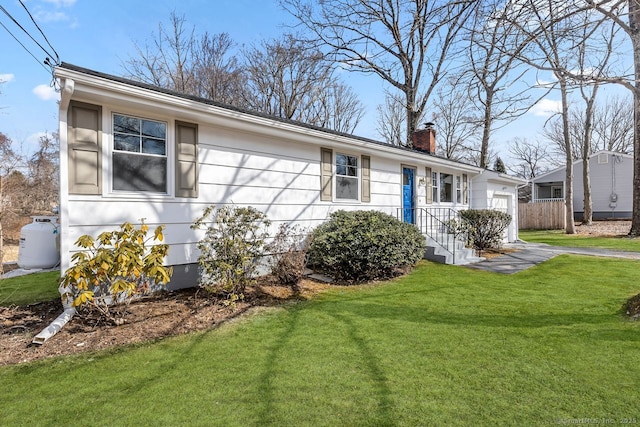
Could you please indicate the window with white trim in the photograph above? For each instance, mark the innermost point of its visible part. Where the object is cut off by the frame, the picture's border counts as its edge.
(556, 192)
(449, 188)
(346, 177)
(139, 154)
(435, 187)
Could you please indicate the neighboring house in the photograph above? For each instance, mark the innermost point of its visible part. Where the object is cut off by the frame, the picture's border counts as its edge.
(611, 176)
(130, 151)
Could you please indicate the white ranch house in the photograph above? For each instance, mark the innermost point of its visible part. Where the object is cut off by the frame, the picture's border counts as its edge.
(130, 151)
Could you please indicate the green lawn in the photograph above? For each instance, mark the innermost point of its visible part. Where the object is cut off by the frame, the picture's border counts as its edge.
(560, 238)
(28, 289)
(445, 345)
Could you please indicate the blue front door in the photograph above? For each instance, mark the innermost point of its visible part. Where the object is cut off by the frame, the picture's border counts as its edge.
(408, 178)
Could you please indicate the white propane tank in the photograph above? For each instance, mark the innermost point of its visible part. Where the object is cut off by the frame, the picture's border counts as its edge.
(39, 243)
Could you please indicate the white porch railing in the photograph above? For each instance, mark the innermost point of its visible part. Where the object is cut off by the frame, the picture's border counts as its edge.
(548, 200)
(436, 223)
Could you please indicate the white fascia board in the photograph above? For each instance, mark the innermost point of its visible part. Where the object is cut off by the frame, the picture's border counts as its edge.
(613, 153)
(113, 92)
(544, 175)
(507, 179)
(503, 178)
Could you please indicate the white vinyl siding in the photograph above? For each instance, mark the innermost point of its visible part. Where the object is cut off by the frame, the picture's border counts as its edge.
(278, 177)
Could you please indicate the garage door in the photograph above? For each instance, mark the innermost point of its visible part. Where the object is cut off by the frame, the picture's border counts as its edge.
(501, 203)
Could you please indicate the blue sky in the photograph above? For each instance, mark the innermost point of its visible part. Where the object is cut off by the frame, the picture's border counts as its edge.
(101, 35)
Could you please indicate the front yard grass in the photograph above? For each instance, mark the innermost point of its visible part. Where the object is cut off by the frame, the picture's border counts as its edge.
(560, 238)
(444, 345)
(28, 289)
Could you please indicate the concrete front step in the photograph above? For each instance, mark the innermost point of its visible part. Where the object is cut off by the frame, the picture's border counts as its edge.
(463, 255)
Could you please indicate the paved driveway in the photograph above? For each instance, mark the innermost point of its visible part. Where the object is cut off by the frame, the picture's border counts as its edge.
(527, 255)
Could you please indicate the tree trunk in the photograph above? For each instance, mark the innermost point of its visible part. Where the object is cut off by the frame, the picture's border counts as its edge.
(587, 214)
(568, 196)
(634, 10)
(486, 133)
(412, 116)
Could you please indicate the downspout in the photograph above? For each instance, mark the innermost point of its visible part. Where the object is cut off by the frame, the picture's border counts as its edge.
(67, 89)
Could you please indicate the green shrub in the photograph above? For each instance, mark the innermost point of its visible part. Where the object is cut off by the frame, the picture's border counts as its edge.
(485, 227)
(289, 255)
(364, 245)
(115, 268)
(233, 243)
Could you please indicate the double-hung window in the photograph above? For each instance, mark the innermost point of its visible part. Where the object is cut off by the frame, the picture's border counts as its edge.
(346, 177)
(139, 154)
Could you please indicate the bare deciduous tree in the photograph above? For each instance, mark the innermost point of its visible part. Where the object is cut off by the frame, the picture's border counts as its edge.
(456, 122)
(494, 49)
(594, 52)
(338, 108)
(613, 125)
(407, 43)
(218, 74)
(42, 170)
(616, 11)
(9, 161)
(178, 59)
(612, 129)
(551, 32)
(281, 74)
(531, 157)
(553, 132)
(392, 119)
(287, 79)
(169, 61)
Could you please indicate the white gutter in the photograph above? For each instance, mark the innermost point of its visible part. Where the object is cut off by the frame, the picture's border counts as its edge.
(68, 87)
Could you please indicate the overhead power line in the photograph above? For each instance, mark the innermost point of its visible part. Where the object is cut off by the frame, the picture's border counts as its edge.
(49, 54)
(57, 57)
(24, 47)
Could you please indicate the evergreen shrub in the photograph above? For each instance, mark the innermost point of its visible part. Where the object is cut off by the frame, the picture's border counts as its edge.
(359, 246)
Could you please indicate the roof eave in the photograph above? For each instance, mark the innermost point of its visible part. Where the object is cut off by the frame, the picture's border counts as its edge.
(106, 86)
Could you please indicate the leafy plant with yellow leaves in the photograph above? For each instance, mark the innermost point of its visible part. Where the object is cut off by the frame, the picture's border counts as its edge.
(116, 267)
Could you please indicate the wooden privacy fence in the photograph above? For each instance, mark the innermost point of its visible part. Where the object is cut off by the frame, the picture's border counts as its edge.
(545, 215)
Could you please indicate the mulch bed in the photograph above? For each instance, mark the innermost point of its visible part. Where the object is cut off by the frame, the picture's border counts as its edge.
(155, 317)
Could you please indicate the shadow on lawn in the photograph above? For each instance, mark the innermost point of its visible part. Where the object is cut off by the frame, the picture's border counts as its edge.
(265, 381)
(423, 315)
(377, 375)
(268, 412)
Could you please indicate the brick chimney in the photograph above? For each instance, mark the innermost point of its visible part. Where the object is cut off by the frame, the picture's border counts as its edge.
(425, 139)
